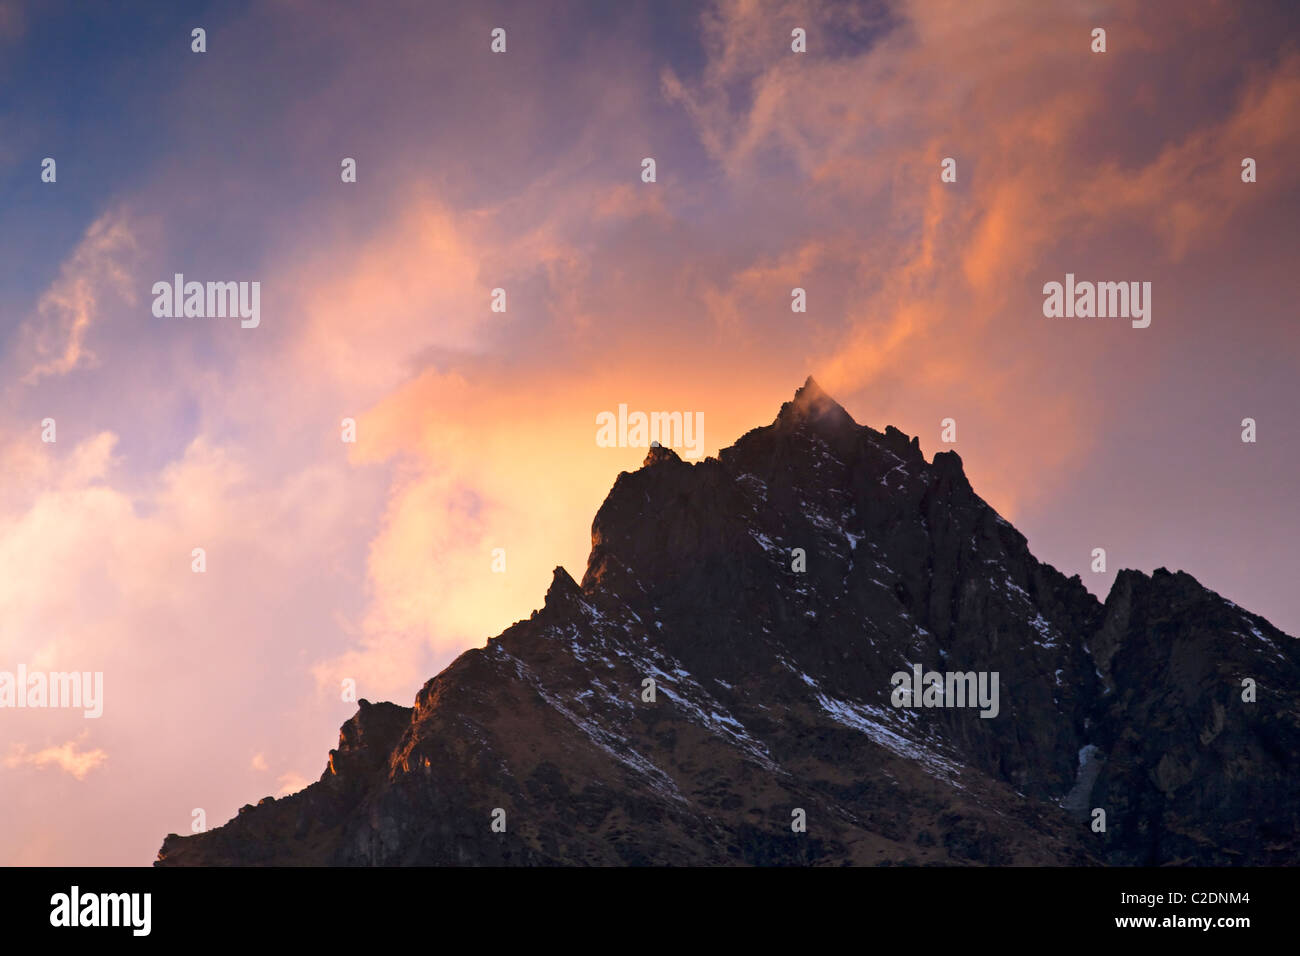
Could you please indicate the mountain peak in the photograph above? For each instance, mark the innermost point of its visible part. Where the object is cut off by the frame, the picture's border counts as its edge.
(771, 595)
(811, 394)
(809, 385)
(562, 585)
(811, 405)
(659, 453)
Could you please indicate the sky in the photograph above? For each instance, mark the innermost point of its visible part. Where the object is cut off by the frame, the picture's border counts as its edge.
(476, 468)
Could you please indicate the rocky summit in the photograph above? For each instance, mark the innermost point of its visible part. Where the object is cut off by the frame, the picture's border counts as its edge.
(742, 677)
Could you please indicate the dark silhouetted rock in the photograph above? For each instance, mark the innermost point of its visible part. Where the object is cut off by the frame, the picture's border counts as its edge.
(773, 693)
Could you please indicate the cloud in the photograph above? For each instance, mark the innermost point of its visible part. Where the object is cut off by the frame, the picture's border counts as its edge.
(291, 783)
(914, 318)
(936, 284)
(67, 757)
(476, 429)
(99, 268)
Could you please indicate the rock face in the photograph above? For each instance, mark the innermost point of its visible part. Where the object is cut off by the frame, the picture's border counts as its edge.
(1192, 773)
(771, 595)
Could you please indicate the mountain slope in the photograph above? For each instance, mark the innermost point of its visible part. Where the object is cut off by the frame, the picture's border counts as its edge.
(771, 594)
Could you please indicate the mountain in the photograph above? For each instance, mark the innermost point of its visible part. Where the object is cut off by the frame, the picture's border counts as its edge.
(774, 693)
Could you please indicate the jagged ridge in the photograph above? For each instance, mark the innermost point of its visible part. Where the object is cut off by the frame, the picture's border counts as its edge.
(773, 693)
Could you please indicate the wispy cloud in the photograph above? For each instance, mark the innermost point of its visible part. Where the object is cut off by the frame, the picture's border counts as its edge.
(328, 560)
(99, 268)
(68, 757)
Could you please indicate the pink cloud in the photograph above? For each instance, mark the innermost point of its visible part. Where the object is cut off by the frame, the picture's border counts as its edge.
(68, 757)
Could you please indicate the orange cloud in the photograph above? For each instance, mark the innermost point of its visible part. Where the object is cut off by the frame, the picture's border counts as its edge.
(99, 267)
(67, 757)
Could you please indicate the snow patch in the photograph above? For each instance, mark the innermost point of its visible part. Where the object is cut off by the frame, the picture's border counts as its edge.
(871, 721)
